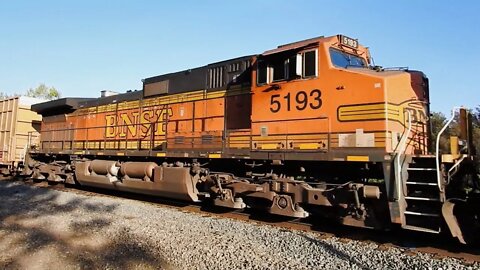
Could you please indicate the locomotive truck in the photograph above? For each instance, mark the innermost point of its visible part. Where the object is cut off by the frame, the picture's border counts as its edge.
(309, 128)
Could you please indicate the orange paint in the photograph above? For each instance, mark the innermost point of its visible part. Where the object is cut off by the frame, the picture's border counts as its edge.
(336, 107)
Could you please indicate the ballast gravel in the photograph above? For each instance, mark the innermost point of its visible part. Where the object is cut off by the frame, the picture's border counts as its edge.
(48, 229)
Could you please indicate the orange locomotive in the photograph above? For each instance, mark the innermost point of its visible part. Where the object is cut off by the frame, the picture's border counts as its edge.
(308, 128)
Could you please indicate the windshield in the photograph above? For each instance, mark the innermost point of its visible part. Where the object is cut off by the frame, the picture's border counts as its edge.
(343, 59)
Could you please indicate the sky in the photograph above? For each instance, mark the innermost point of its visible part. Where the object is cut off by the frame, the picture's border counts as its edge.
(83, 47)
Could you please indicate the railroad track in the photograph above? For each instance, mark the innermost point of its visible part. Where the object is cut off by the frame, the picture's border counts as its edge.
(410, 242)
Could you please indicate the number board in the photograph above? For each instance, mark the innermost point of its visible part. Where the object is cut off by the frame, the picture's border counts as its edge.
(299, 101)
(349, 42)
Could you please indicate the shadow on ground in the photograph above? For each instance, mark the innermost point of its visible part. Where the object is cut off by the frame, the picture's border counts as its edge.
(29, 240)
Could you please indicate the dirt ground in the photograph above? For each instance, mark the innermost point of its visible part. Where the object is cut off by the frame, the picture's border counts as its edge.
(41, 230)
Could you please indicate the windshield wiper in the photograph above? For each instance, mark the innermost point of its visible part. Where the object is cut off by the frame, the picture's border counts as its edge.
(347, 57)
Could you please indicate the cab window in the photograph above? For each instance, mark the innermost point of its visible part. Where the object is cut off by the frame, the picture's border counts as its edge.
(343, 60)
(310, 64)
(278, 69)
(287, 66)
(262, 72)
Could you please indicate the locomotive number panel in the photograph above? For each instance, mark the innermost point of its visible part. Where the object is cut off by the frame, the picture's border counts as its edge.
(299, 101)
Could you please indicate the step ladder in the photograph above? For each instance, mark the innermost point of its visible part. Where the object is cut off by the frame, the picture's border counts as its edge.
(423, 197)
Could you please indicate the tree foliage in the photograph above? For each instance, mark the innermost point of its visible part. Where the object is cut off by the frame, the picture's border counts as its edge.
(4, 95)
(476, 129)
(41, 91)
(437, 121)
(44, 92)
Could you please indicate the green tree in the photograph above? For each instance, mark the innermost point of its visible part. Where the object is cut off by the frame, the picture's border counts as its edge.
(44, 92)
(437, 121)
(476, 129)
(4, 95)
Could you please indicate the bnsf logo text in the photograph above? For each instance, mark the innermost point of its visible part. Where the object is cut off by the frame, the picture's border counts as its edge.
(137, 124)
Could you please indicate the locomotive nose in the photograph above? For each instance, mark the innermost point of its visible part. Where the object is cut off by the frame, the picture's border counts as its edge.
(419, 83)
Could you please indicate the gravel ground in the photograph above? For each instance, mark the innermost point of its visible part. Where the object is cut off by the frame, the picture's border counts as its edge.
(47, 229)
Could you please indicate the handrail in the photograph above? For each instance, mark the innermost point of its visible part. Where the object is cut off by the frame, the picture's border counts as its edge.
(454, 167)
(437, 147)
(400, 150)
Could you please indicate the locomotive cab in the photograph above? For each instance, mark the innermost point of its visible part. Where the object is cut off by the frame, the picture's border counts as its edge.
(325, 87)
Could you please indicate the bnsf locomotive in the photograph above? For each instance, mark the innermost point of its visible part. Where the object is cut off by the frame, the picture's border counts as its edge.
(309, 128)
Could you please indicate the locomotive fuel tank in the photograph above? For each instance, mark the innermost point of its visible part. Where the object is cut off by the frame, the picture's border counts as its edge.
(142, 177)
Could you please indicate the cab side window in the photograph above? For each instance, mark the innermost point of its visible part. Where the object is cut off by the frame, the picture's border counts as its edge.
(281, 67)
(310, 64)
(262, 72)
(278, 69)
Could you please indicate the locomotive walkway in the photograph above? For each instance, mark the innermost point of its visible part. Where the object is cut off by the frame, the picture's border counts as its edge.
(43, 228)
